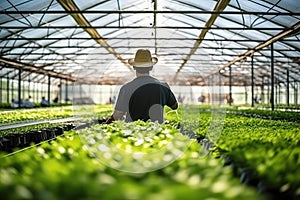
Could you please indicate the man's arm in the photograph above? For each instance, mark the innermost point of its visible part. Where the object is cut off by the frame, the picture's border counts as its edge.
(117, 115)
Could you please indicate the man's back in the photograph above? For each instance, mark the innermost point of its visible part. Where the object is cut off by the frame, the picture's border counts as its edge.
(144, 98)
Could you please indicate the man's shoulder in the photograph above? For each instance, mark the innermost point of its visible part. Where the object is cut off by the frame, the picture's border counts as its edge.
(144, 80)
(150, 79)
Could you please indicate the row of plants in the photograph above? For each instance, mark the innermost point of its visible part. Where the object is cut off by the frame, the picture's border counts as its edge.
(256, 112)
(290, 116)
(7, 106)
(119, 161)
(255, 148)
(10, 142)
(292, 107)
(24, 115)
(25, 129)
(26, 135)
(23, 137)
(87, 112)
(263, 153)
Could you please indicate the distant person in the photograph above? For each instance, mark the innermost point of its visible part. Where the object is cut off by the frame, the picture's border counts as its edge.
(228, 99)
(14, 103)
(201, 98)
(144, 97)
(67, 99)
(29, 98)
(27, 103)
(112, 100)
(180, 99)
(44, 102)
(55, 100)
(256, 100)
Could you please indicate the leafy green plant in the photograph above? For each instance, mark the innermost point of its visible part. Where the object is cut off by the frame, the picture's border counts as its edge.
(67, 169)
(23, 115)
(37, 114)
(79, 165)
(267, 149)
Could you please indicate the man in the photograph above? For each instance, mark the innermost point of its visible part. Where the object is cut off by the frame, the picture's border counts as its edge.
(144, 97)
(44, 102)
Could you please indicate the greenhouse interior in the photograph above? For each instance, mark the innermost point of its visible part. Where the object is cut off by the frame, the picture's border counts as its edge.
(223, 123)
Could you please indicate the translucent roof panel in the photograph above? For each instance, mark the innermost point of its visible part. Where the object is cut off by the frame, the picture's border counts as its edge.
(91, 41)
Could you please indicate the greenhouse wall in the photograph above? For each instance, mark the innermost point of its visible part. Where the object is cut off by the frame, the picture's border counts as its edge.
(101, 94)
(35, 90)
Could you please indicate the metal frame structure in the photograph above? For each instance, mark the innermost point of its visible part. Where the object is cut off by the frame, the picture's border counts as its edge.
(255, 43)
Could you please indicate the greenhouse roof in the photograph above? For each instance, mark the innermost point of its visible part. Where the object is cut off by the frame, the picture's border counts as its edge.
(91, 41)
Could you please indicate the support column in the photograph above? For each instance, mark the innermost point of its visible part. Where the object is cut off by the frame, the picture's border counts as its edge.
(276, 93)
(252, 82)
(279, 93)
(19, 87)
(30, 89)
(220, 91)
(262, 90)
(12, 88)
(246, 94)
(230, 86)
(60, 90)
(0, 89)
(272, 78)
(287, 87)
(23, 90)
(42, 91)
(35, 91)
(31, 93)
(211, 84)
(66, 97)
(296, 94)
(7, 89)
(49, 83)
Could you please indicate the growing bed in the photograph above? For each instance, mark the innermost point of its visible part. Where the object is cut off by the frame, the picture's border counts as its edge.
(196, 154)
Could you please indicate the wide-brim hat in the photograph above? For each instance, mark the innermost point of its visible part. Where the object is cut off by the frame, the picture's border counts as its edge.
(143, 58)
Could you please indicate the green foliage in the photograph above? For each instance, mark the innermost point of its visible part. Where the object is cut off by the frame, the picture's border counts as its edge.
(64, 169)
(5, 105)
(22, 130)
(283, 115)
(95, 162)
(270, 150)
(26, 115)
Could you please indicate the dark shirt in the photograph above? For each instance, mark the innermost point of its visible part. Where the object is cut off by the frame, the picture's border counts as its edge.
(144, 98)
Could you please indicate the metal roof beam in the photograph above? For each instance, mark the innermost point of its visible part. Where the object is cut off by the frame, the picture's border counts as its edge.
(169, 54)
(250, 52)
(139, 38)
(82, 21)
(214, 12)
(220, 6)
(35, 47)
(93, 32)
(141, 46)
(27, 67)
